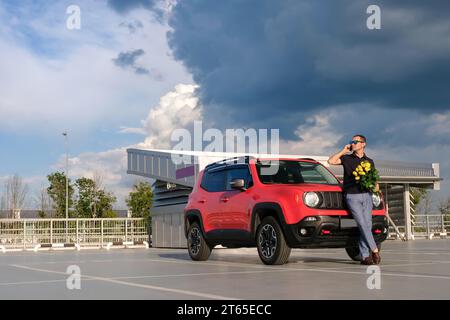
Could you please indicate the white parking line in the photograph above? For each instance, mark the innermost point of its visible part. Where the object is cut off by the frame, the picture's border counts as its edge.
(131, 284)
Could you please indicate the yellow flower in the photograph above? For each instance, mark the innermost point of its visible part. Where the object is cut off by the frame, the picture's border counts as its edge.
(355, 173)
(357, 178)
(359, 168)
(362, 173)
(367, 169)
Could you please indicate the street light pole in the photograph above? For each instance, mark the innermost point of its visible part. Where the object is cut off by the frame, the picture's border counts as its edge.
(67, 181)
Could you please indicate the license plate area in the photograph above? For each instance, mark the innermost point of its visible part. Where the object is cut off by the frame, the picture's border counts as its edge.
(347, 223)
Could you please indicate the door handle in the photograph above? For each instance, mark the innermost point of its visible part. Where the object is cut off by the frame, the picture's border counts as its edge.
(224, 199)
(201, 201)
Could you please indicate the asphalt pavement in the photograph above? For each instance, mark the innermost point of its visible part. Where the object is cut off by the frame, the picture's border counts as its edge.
(418, 269)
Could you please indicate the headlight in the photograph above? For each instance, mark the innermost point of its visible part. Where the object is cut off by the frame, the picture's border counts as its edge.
(312, 199)
(376, 200)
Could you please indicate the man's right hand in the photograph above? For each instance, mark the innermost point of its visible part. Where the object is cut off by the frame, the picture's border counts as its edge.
(335, 159)
(346, 149)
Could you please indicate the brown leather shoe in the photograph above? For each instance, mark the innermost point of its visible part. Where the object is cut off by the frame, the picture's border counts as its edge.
(376, 257)
(367, 261)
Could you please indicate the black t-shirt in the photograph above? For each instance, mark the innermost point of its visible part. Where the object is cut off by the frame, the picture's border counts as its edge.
(350, 162)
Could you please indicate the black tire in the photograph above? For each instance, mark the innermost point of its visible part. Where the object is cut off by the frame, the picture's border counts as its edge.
(353, 252)
(271, 243)
(198, 248)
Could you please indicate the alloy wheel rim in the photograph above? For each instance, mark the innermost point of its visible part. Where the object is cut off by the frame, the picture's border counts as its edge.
(194, 241)
(268, 241)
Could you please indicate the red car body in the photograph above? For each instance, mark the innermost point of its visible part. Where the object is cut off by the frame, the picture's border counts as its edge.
(231, 217)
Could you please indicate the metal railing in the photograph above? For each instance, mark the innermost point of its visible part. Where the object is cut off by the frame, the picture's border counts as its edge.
(27, 233)
(430, 225)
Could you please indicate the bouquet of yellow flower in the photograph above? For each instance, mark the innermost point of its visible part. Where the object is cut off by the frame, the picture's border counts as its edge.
(366, 176)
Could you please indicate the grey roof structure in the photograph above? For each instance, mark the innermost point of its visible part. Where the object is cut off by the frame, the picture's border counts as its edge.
(158, 164)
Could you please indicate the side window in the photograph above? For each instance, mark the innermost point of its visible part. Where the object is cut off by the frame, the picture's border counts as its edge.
(214, 181)
(239, 173)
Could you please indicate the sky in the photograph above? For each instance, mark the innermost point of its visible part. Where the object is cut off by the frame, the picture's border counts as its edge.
(137, 70)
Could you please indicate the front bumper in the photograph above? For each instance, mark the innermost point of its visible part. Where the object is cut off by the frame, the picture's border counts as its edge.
(332, 232)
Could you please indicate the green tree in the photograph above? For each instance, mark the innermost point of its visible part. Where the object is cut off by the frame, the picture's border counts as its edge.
(418, 195)
(109, 214)
(41, 214)
(103, 204)
(93, 202)
(140, 200)
(57, 192)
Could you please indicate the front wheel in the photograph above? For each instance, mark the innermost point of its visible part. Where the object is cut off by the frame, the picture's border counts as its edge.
(353, 253)
(198, 248)
(272, 246)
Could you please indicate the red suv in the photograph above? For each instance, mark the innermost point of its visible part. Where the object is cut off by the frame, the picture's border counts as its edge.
(275, 205)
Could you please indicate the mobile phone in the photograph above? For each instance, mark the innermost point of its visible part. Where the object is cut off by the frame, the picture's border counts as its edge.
(351, 149)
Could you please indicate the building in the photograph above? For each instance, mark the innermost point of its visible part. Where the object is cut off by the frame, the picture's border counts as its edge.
(173, 183)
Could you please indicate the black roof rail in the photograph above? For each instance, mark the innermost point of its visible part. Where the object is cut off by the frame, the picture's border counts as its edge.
(229, 161)
(307, 159)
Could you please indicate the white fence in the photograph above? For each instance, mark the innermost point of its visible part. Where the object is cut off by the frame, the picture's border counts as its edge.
(429, 226)
(436, 225)
(29, 233)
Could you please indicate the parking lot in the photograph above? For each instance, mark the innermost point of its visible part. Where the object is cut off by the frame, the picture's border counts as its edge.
(417, 269)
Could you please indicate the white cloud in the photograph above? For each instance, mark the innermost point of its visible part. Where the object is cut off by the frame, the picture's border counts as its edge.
(315, 137)
(176, 109)
(110, 165)
(440, 125)
(67, 79)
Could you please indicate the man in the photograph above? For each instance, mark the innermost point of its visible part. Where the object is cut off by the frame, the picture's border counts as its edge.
(358, 201)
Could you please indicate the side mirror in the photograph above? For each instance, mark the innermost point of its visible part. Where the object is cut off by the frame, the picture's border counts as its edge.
(237, 184)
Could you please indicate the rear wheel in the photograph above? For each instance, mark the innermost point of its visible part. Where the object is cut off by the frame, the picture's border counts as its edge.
(271, 243)
(198, 248)
(354, 254)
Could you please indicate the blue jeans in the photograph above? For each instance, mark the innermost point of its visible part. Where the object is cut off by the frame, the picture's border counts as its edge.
(360, 205)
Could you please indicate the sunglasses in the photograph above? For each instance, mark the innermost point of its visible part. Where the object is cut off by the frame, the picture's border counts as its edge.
(354, 141)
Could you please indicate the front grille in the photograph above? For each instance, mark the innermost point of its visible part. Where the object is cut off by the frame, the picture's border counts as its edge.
(332, 200)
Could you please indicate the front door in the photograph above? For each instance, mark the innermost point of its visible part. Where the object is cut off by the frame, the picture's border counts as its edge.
(236, 212)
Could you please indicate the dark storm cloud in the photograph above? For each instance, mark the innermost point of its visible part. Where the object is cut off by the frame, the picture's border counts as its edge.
(265, 60)
(128, 60)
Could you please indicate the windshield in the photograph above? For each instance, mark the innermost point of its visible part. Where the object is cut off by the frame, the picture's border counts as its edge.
(293, 172)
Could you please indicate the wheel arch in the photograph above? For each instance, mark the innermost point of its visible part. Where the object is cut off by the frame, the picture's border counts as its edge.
(190, 217)
(265, 209)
